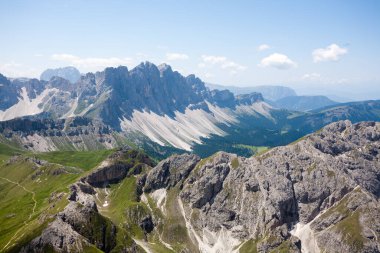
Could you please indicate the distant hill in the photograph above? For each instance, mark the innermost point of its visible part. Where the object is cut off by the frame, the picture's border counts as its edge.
(303, 103)
(69, 73)
(269, 92)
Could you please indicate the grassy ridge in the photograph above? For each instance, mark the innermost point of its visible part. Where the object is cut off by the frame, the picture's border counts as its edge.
(82, 159)
(31, 193)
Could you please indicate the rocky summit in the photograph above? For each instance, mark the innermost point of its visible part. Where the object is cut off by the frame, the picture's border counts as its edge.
(319, 194)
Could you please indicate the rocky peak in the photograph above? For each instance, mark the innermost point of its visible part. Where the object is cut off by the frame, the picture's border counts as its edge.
(164, 68)
(69, 73)
(170, 171)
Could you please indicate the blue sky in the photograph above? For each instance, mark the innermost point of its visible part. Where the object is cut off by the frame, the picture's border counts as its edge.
(321, 46)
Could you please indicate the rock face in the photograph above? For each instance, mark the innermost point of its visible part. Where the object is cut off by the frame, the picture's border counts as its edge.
(317, 195)
(126, 100)
(78, 226)
(45, 134)
(118, 166)
(170, 171)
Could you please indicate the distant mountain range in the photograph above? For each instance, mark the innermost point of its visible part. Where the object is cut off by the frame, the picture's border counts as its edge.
(160, 110)
(280, 96)
(269, 92)
(303, 103)
(69, 73)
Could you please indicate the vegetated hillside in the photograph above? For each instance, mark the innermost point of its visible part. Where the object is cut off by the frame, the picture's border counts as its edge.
(316, 195)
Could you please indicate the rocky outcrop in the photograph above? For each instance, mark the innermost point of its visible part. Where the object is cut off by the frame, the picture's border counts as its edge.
(170, 171)
(77, 227)
(59, 236)
(115, 168)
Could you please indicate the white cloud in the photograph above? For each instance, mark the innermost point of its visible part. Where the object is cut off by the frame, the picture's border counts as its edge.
(322, 79)
(14, 69)
(222, 62)
(201, 65)
(311, 76)
(208, 75)
(91, 63)
(176, 56)
(213, 59)
(330, 53)
(263, 47)
(278, 61)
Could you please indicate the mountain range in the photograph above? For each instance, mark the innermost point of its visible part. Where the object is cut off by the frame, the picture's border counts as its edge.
(148, 160)
(160, 110)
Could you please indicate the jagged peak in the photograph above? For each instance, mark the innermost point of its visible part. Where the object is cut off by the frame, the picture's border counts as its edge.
(116, 69)
(163, 67)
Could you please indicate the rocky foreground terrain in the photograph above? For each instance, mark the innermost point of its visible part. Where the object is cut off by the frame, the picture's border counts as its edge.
(319, 194)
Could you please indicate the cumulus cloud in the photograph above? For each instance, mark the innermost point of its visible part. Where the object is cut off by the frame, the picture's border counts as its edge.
(176, 56)
(91, 62)
(278, 61)
(330, 53)
(263, 47)
(222, 62)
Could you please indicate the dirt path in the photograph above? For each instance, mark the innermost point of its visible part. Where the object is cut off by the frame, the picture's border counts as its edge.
(30, 215)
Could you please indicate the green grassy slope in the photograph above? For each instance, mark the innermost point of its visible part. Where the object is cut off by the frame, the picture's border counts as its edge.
(32, 193)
